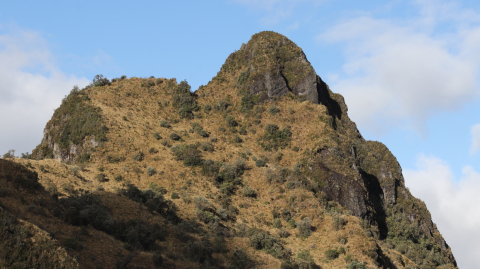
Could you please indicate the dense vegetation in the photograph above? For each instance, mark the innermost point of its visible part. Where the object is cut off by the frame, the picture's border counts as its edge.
(72, 123)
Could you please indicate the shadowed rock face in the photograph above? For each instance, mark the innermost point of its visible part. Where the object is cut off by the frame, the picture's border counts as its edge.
(275, 66)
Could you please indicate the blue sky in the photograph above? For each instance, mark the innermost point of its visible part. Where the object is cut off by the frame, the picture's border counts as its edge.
(409, 71)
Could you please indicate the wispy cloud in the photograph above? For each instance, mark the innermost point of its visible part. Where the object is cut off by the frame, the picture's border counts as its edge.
(32, 87)
(453, 204)
(400, 72)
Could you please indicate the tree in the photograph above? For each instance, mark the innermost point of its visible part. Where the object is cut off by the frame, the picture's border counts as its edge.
(9, 154)
(99, 80)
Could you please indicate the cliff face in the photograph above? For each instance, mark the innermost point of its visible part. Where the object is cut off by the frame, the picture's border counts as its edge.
(75, 129)
(264, 151)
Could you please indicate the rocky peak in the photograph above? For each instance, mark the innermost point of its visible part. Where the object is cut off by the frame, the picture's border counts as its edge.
(272, 65)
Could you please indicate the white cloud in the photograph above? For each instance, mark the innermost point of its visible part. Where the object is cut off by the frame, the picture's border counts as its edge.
(399, 73)
(475, 131)
(32, 87)
(453, 204)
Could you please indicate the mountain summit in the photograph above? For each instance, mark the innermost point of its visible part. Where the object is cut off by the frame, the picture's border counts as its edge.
(260, 168)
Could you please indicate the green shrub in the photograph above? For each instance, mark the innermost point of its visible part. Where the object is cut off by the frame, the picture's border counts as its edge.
(139, 156)
(203, 204)
(291, 185)
(331, 254)
(153, 200)
(241, 229)
(203, 133)
(273, 139)
(189, 154)
(242, 131)
(277, 223)
(75, 170)
(165, 143)
(157, 136)
(148, 83)
(237, 139)
(207, 109)
(292, 223)
(175, 136)
(151, 171)
(152, 150)
(210, 168)
(205, 216)
(118, 177)
(273, 109)
(248, 102)
(286, 215)
(42, 168)
(283, 233)
(175, 195)
(100, 80)
(221, 105)
(184, 100)
(338, 222)
(305, 227)
(356, 265)
(260, 239)
(260, 163)
(222, 213)
(157, 189)
(288, 265)
(115, 159)
(102, 177)
(342, 240)
(165, 124)
(240, 259)
(231, 122)
(83, 158)
(9, 154)
(197, 128)
(206, 146)
(249, 192)
(305, 260)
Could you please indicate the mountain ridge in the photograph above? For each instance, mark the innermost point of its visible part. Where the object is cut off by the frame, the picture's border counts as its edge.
(264, 148)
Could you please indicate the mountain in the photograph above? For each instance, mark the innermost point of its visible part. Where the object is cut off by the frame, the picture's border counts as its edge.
(260, 168)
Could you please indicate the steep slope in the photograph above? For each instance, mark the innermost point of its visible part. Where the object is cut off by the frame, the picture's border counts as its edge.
(262, 168)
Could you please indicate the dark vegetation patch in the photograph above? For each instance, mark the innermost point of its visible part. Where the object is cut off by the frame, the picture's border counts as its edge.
(18, 251)
(274, 138)
(184, 101)
(75, 120)
(189, 154)
(263, 240)
(198, 129)
(88, 210)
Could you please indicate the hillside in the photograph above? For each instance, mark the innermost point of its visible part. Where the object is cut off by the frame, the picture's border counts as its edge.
(260, 168)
